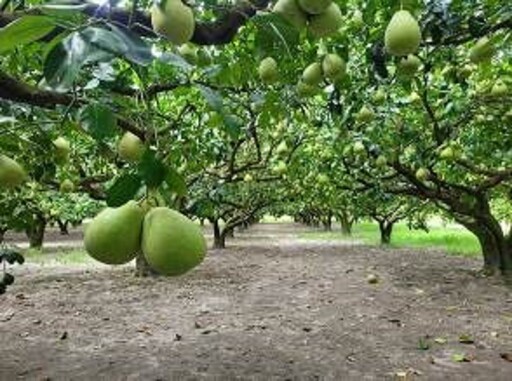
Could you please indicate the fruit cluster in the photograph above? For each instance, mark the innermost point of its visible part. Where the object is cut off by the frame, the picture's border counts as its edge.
(170, 242)
(322, 18)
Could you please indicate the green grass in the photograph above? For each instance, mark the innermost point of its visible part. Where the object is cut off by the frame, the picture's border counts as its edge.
(453, 240)
(61, 257)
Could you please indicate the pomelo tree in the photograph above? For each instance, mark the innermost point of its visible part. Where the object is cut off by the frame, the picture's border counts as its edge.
(414, 96)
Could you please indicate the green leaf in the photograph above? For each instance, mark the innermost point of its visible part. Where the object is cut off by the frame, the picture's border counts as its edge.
(64, 61)
(138, 51)
(99, 121)
(176, 182)
(124, 189)
(24, 30)
(213, 98)
(233, 125)
(152, 170)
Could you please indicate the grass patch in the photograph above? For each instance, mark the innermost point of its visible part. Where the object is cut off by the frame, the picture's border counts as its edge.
(62, 257)
(453, 240)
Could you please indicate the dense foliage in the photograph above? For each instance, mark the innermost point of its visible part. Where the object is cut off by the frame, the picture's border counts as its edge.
(233, 126)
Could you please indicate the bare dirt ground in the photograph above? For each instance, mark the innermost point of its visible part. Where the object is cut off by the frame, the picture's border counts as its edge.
(270, 307)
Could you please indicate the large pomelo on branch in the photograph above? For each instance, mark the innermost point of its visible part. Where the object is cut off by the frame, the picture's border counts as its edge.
(113, 236)
(268, 70)
(482, 51)
(403, 34)
(11, 173)
(313, 75)
(67, 186)
(333, 66)
(291, 12)
(409, 65)
(314, 7)
(62, 150)
(326, 23)
(499, 89)
(171, 243)
(175, 21)
(130, 148)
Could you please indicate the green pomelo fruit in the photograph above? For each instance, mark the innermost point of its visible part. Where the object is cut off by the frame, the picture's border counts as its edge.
(282, 148)
(414, 97)
(447, 154)
(67, 186)
(422, 174)
(381, 161)
(130, 148)
(358, 148)
(304, 90)
(248, 178)
(403, 34)
(176, 22)
(357, 19)
(326, 23)
(322, 178)
(268, 70)
(113, 236)
(11, 173)
(312, 75)
(333, 66)
(280, 168)
(409, 65)
(171, 243)
(482, 51)
(62, 149)
(291, 12)
(314, 7)
(189, 53)
(379, 96)
(365, 115)
(499, 89)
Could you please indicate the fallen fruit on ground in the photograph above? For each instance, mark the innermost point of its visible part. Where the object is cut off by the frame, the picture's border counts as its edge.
(175, 22)
(403, 34)
(11, 173)
(130, 148)
(113, 236)
(171, 243)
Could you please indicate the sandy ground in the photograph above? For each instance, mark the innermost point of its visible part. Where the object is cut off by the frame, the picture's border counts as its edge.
(270, 307)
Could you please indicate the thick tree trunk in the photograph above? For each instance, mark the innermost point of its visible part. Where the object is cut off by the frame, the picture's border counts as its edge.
(63, 227)
(142, 267)
(35, 232)
(219, 240)
(496, 246)
(496, 249)
(386, 229)
(327, 223)
(346, 224)
(2, 235)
